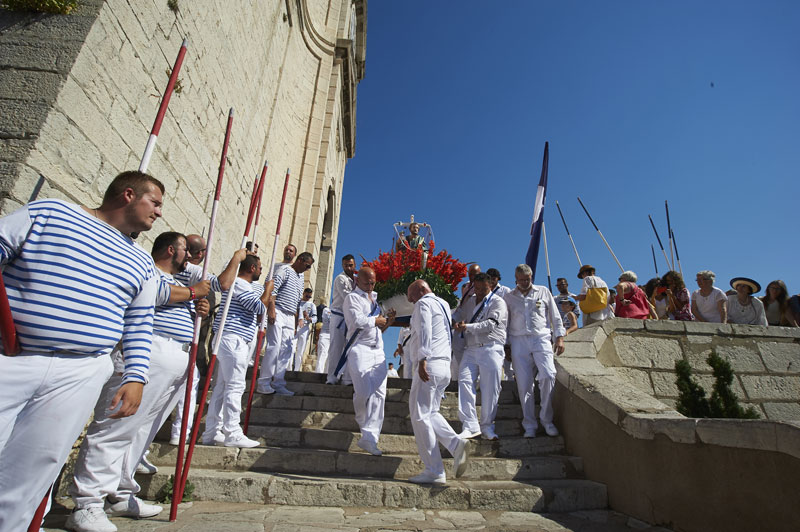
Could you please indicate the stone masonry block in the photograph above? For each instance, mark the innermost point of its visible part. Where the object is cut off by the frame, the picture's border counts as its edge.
(782, 411)
(645, 352)
(771, 387)
(637, 377)
(673, 425)
(741, 433)
(579, 350)
(700, 327)
(743, 359)
(29, 86)
(665, 326)
(664, 384)
(780, 357)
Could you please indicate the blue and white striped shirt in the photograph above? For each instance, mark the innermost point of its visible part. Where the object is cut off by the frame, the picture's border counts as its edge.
(175, 320)
(245, 305)
(77, 285)
(288, 290)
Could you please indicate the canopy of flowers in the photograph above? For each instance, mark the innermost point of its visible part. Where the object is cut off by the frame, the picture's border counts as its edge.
(395, 271)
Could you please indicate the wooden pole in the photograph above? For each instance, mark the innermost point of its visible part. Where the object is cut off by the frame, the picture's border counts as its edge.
(601, 235)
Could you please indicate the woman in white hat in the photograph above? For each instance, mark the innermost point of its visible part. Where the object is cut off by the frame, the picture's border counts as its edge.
(743, 307)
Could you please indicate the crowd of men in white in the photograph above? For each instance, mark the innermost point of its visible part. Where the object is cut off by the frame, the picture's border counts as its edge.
(104, 326)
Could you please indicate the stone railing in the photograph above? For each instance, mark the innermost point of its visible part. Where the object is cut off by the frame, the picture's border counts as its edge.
(615, 406)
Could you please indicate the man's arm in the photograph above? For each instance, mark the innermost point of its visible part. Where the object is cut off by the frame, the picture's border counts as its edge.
(722, 306)
(496, 316)
(14, 230)
(228, 275)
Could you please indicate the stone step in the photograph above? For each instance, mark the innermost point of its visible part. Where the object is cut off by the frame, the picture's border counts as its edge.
(345, 405)
(362, 464)
(281, 417)
(236, 486)
(340, 440)
(393, 393)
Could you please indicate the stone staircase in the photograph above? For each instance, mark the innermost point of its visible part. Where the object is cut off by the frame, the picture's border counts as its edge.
(309, 457)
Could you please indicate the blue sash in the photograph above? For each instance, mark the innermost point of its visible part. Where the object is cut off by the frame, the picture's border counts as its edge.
(480, 309)
(376, 310)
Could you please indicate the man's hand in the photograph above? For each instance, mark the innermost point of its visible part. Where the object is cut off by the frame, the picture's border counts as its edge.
(240, 255)
(201, 289)
(300, 323)
(559, 347)
(380, 322)
(422, 369)
(460, 326)
(202, 307)
(127, 398)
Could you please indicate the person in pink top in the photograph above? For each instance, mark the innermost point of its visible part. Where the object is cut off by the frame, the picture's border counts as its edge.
(631, 300)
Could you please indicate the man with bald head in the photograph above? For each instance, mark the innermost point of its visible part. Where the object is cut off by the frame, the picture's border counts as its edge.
(366, 362)
(430, 356)
(467, 290)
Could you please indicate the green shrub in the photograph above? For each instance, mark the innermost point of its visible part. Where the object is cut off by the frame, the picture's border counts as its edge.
(164, 495)
(63, 7)
(723, 403)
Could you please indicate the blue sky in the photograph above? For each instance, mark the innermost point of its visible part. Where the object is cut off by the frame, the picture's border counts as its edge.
(459, 99)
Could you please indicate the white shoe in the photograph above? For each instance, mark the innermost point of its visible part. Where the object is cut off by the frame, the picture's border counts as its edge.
(550, 429)
(133, 507)
(218, 439)
(489, 434)
(467, 434)
(427, 477)
(175, 440)
(240, 440)
(265, 389)
(370, 447)
(529, 433)
(144, 467)
(283, 390)
(460, 456)
(89, 520)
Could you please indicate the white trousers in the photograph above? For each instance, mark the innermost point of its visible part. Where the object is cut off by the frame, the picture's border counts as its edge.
(175, 430)
(300, 349)
(367, 368)
(486, 361)
(430, 427)
(102, 465)
(323, 343)
(45, 401)
(530, 354)
(337, 345)
(455, 360)
(508, 370)
(225, 408)
(278, 355)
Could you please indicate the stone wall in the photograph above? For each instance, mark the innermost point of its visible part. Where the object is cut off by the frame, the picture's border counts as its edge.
(79, 93)
(666, 469)
(765, 360)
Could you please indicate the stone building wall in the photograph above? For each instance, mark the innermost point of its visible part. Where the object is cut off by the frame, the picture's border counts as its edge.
(79, 93)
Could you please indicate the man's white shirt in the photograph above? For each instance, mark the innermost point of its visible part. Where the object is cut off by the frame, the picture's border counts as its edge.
(357, 307)
(430, 322)
(533, 314)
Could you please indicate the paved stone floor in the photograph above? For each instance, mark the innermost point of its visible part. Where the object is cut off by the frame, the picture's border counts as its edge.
(206, 516)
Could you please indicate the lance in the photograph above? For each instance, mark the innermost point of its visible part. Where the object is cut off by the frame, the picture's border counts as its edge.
(187, 404)
(263, 324)
(546, 257)
(601, 234)
(669, 267)
(678, 257)
(669, 234)
(568, 234)
(653, 250)
(162, 109)
(217, 341)
(38, 517)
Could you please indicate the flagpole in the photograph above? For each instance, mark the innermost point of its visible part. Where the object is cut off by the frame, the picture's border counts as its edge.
(669, 266)
(546, 257)
(263, 325)
(601, 234)
(669, 234)
(653, 250)
(215, 348)
(678, 257)
(568, 234)
(162, 109)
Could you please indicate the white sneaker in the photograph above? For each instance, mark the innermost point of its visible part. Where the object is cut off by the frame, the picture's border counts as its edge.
(489, 434)
(265, 389)
(144, 467)
(218, 439)
(426, 477)
(175, 440)
(460, 456)
(240, 440)
(370, 447)
(282, 390)
(529, 433)
(550, 429)
(89, 520)
(467, 434)
(133, 507)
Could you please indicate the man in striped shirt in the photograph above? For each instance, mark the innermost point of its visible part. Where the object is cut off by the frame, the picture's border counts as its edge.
(225, 408)
(282, 318)
(77, 284)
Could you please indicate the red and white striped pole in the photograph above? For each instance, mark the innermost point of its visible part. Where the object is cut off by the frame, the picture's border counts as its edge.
(262, 325)
(187, 404)
(162, 109)
(179, 488)
(7, 328)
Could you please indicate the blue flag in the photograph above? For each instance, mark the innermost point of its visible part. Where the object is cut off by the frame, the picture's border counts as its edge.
(538, 216)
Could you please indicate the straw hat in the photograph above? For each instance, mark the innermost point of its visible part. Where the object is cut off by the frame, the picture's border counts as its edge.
(585, 268)
(754, 286)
